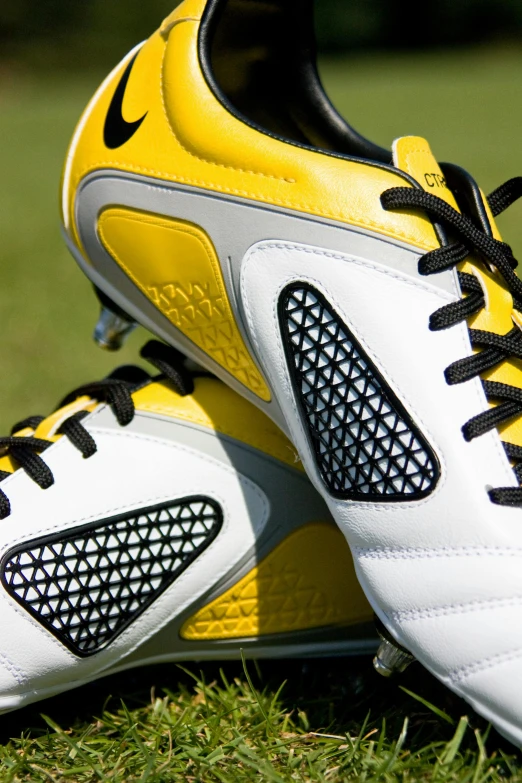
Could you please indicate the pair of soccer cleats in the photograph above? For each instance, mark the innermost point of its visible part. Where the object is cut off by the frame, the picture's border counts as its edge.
(359, 297)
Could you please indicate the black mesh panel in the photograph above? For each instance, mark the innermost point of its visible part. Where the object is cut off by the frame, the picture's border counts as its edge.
(365, 443)
(87, 585)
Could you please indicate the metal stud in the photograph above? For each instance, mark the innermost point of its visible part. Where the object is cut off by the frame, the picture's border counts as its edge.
(391, 658)
(112, 330)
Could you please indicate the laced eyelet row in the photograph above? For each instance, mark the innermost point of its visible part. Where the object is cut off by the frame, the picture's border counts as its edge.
(116, 391)
(493, 349)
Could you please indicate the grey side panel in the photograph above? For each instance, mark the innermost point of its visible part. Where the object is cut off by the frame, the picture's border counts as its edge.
(234, 225)
(331, 642)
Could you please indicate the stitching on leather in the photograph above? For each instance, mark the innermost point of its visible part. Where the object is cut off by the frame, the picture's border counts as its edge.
(180, 447)
(13, 669)
(408, 156)
(276, 453)
(453, 609)
(200, 157)
(280, 361)
(39, 628)
(123, 508)
(172, 177)
(458, 675)
(259, 249)
(417, 553)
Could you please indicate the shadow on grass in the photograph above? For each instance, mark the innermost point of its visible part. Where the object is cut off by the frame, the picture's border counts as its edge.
(333, 696)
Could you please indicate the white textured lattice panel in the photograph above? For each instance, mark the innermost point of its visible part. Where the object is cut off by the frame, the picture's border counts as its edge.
(88, 584)
(365, 443)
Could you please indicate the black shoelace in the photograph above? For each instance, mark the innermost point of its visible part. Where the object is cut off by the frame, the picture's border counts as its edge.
(494, 349)
(116, 391)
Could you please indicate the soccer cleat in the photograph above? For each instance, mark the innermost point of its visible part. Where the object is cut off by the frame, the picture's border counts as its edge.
(360, 297)
(162, 520)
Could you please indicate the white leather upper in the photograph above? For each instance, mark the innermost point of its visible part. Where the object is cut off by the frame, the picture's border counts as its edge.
(129, 471)
(444, 572)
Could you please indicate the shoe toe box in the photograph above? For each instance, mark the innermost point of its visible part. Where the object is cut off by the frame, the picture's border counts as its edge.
(459, 612)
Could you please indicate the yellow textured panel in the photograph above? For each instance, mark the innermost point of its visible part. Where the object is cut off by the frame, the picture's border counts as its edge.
(307, 581)
(215, 406)
(175, 264)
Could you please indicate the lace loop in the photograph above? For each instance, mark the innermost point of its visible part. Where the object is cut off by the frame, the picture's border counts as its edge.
(505, 195)
(78, 435)
(169, 362)
(442, 258)
(26, 452)
(114, 392)
(31, 423)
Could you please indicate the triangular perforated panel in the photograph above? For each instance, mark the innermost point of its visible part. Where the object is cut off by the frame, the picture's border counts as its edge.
(366, 444)
(88, 584)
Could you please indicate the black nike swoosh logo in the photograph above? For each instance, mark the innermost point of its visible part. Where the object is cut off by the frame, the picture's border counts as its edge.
(117, 130)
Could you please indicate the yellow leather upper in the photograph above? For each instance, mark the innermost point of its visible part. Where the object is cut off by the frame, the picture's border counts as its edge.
(189, 137)
(413, 155)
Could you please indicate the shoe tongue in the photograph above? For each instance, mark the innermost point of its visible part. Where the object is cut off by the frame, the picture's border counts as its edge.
(413, 155)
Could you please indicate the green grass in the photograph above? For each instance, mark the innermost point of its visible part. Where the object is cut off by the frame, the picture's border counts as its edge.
(217, 728)
(329, 722)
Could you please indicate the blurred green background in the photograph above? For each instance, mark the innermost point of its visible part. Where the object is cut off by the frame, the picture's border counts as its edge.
(455, 77)
(82, 32)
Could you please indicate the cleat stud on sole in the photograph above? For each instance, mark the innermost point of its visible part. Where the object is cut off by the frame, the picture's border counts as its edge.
(391, 658)
(112, 330)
